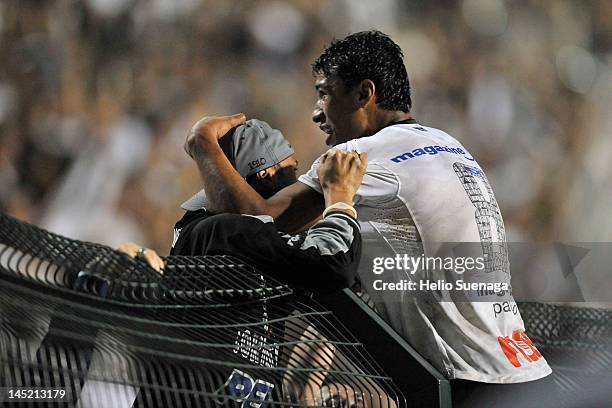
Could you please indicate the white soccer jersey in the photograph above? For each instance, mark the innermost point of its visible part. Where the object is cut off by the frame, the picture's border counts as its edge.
(421, 193)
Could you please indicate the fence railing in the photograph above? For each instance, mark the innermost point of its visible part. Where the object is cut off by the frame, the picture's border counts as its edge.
(210, 331)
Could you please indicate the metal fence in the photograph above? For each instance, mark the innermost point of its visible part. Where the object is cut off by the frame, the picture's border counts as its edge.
(211, 331)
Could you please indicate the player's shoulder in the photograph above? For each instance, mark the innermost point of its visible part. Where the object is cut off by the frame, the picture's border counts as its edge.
(399, 144)
(408, 134)
(417, 132)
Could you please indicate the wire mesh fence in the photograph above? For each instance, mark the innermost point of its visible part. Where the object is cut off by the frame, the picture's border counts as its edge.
(210, 331)
(577, 342)
(109, 331)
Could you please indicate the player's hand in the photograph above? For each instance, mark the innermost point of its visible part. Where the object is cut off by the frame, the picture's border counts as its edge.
(146, 254)
(208, 130)
(340, 174)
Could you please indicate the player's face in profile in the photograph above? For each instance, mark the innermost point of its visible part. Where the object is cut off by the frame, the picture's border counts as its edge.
(336, 110)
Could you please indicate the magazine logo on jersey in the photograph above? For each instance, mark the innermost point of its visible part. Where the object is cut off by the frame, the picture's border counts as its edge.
(430, 151)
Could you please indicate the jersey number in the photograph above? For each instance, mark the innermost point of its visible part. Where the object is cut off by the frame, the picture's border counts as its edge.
(488, 217)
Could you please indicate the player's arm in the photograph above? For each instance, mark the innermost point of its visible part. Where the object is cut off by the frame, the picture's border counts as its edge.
(330, 253)
(293, 207)
(323, 260)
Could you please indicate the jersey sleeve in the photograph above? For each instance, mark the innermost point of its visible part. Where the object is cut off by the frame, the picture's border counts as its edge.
(378, 186)
(311, 179)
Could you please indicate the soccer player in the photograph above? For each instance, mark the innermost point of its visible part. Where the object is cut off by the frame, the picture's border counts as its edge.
(422, 189)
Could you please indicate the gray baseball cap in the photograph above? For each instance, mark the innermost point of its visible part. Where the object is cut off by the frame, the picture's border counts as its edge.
(250, 148)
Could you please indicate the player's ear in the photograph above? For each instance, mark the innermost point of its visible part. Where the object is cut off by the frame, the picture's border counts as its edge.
(366, 92)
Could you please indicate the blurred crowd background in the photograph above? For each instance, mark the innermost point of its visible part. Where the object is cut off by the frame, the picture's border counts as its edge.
(97, 96)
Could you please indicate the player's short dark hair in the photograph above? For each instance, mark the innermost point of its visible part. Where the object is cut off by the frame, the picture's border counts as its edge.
(369, 55)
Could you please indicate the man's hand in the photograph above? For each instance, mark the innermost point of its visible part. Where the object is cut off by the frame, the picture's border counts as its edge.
(148, 255)
(340, 174)
(209, 130)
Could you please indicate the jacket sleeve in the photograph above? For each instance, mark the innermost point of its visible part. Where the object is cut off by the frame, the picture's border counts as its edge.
(331, 250)
(323, 260)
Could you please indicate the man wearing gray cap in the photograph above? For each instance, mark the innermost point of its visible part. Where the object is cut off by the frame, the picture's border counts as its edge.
(323, 259)
(256, 151)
